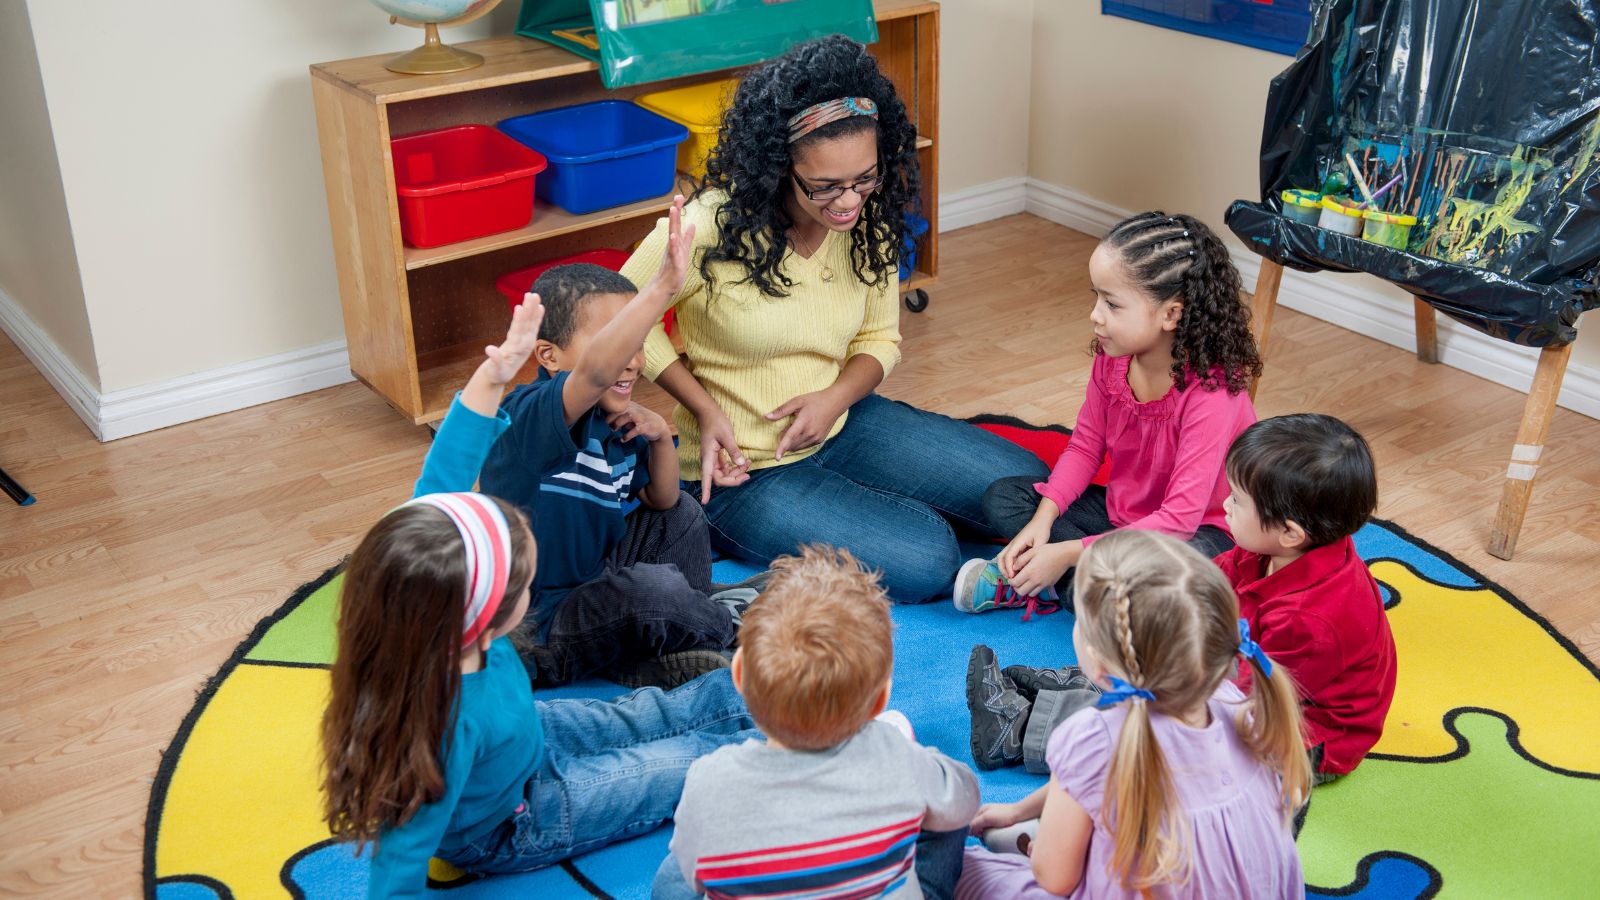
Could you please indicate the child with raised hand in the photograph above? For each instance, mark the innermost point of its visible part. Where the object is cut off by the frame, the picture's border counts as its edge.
(624, 594)
(1173, 358)
(1176, 784)
(841, 800)
(432, 742)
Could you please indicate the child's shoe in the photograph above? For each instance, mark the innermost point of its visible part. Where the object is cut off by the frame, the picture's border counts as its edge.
(980, 587)
(668, 671)
(736, 600)
(999, 713)
(1016, 838)
(1030, 681)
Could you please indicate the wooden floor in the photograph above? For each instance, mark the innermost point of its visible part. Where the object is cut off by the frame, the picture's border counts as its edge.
(147, 560)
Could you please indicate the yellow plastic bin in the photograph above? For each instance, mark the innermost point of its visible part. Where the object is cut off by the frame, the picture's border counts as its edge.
(698, 107)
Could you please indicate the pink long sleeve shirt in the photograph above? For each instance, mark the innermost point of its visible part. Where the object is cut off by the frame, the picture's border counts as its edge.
(1166, 455)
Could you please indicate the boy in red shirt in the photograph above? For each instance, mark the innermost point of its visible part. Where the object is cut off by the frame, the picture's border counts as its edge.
(1301, 486)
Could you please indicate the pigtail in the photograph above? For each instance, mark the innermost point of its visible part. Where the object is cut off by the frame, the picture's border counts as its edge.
(1150, 840)
(1271, 727)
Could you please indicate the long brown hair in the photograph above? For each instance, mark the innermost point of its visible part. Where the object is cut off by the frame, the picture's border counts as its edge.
(398, 667)
(1161, 616)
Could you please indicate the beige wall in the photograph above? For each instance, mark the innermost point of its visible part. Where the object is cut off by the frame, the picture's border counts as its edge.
(38, 269)
(1144, 118)
(985, 61)
(188, 148)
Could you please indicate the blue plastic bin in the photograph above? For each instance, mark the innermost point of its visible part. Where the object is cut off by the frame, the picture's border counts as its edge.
(601, 154)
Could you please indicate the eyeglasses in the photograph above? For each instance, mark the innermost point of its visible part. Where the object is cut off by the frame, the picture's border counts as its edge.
(835, 191)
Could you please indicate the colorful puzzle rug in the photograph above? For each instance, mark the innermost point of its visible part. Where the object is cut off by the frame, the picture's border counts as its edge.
(1486, 782)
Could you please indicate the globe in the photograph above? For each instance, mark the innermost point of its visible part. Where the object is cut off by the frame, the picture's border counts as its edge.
(434, 56)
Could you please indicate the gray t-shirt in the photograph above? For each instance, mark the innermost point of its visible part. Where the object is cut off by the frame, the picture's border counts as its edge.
(757, 820)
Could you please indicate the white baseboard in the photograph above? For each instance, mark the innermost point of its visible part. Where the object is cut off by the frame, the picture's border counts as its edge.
(73, 386)
(131, 411)
(983, 203)
(203, 394)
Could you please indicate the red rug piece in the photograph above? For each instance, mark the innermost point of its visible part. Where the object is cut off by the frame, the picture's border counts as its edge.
(1044, 441)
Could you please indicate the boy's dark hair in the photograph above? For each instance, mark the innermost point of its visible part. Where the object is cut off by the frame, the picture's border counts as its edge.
(565, 290)
(1310, 468)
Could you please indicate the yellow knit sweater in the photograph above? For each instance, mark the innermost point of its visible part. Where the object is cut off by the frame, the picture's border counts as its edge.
(753, 353)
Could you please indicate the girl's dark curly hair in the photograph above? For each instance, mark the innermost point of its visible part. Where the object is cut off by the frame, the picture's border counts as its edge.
(1178, 256)
(753, 160)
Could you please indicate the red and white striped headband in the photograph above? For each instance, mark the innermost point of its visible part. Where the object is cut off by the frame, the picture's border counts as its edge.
(487, 538)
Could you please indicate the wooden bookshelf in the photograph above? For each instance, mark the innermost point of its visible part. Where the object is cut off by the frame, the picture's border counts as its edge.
(416, 320)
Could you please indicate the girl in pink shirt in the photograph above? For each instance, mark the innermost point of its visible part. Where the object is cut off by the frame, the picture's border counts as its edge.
(1173, 357)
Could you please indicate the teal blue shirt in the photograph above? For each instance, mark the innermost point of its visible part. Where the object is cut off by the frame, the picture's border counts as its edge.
(497, 741)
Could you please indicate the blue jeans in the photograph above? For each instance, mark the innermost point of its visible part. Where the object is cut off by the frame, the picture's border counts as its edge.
(939, 858)
(887, 487)
(612, 770)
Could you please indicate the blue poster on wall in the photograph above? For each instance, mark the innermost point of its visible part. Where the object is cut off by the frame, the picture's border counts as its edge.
(1277, 25)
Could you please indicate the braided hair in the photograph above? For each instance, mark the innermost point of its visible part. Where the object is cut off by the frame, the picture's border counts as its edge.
(1179, 256)
(753, 160)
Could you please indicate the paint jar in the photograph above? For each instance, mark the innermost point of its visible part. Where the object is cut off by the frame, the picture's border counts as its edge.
(1301, 206)
(1340, 214)
(1388, 229)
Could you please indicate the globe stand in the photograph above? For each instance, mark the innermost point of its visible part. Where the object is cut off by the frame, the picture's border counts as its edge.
(434, 57)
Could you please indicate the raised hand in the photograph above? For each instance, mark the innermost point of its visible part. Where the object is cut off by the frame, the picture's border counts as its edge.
(508, 358)
(680, 243)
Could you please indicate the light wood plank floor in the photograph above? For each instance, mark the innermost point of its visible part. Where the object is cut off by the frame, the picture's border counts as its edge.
(147, 560)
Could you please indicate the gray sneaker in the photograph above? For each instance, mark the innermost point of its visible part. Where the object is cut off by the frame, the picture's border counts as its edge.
(999, 713)
(1030, 681)
(736, 600)
(670, 670)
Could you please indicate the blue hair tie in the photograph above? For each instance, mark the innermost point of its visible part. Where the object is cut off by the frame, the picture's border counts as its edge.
(1251, 650)
(1120, 691)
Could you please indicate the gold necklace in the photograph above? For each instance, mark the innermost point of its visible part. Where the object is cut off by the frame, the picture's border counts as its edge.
(827, 271)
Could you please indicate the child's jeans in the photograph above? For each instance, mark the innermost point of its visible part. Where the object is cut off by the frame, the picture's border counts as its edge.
(939, 858)
(652, 599)
(612, 770)
(1010, 504)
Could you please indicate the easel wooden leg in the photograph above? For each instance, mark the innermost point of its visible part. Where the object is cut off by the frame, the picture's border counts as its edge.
(1536, 414)
(1427, 332)
(1262, 304)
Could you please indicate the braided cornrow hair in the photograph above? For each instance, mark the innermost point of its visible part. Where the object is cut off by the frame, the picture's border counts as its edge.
(1179, 256)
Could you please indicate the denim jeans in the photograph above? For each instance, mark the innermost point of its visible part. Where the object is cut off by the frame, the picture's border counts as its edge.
(888, 487)
(612, 770)
(652, 599)
(939, 858)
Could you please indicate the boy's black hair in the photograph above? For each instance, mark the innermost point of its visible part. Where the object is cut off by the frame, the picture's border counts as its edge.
(565, 290)
(1310, 468)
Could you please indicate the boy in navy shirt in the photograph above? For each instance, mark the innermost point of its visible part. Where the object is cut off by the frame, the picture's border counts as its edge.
(623, 594)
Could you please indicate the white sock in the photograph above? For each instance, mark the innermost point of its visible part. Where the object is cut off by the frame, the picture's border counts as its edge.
(1007, 840)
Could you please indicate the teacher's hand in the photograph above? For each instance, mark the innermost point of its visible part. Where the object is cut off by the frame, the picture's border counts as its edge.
(721, 463)
(814, 415)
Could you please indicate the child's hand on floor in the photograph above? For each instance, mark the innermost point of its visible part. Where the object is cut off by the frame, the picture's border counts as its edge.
(994, 815)
(637, 420)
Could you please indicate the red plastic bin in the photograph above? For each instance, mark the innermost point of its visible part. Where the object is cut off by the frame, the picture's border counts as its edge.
(459, 183)
(513, 285)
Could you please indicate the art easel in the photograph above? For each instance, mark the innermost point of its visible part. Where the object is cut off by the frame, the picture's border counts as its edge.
(1536, 412)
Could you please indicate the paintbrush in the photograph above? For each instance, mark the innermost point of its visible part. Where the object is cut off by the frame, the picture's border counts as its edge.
(1361, 183)
(1385, 189)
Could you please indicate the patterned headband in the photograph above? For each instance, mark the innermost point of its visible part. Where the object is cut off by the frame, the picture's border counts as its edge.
(487, 538)
(814, 117)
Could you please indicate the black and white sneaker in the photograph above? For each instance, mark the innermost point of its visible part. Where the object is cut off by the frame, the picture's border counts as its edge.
(670, 670)
(999, 713)
(1029, 681)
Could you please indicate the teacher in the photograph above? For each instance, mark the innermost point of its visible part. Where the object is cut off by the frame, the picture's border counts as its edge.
(790, 318)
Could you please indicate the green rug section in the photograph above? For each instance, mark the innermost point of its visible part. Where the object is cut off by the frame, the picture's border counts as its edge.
(1496, 824)
(308, 635)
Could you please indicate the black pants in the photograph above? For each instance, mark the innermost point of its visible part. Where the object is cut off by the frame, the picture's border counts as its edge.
(1010, 504)
(652, 599)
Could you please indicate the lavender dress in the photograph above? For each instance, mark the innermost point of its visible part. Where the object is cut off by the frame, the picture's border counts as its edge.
(1242, 844)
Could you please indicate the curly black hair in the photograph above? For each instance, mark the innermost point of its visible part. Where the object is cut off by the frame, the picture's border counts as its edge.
(753, 160)
(1179, 256)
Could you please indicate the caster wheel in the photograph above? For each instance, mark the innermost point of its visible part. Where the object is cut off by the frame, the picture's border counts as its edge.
(917, 300)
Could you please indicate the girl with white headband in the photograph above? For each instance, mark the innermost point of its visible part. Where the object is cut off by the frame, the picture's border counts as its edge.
(433, 744)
